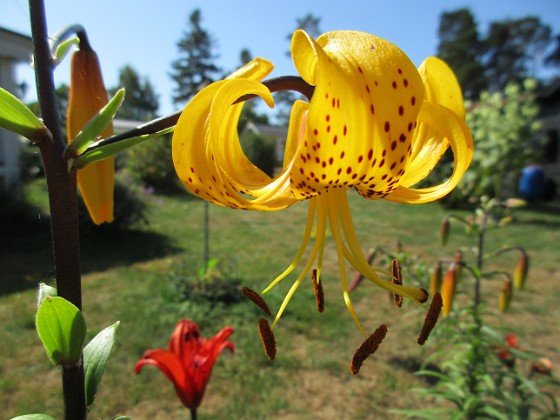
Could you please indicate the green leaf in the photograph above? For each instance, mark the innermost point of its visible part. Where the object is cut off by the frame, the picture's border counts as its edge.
(16, 117)
(44, 291)
(96, 355)
(121, 418)
(494, 413)
(35, 416)
(91, 131)
(105, 151)
(63, 48)
(62, 329)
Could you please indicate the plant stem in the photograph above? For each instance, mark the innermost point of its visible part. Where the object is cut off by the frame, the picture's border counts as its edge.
(62, 199)
(193, 414)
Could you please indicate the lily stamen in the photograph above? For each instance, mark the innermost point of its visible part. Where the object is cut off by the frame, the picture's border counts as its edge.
(318, 289)
(396, 278)
(431, 318)
(368, 347)
(257, 300)
(267, 338)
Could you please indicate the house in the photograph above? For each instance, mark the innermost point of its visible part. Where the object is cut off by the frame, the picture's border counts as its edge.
(279, 133)
(15, 48)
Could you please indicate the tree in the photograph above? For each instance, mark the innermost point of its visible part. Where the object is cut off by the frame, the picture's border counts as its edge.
(195, 66)
(506, 137)
(513, 49)
(460, 46)
(141, 102)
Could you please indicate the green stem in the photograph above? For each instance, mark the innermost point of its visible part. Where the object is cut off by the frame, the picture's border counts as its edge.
(62, 199)
(295, 83)
(193, 414)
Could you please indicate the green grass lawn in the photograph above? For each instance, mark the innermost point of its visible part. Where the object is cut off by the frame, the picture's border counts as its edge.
(132, 277)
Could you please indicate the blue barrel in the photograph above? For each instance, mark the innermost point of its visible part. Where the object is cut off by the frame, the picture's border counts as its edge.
(531, 183)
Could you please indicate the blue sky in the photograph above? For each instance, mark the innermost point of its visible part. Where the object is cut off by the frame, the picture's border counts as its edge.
(144, 33)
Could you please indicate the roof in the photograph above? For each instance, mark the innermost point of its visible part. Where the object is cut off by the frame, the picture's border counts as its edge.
(14, 45)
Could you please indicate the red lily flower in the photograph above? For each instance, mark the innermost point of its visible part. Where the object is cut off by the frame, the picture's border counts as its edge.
(188, 362)
(504, 352)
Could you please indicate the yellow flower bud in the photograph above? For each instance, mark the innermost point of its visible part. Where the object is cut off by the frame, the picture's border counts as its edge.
(506, 293)
(86, 97)
(521, 268)
(444, 228)
(436, 279)
(448, 288)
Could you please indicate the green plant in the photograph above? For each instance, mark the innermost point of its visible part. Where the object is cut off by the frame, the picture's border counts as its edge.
(505, 132)
(151, 164)
(260, 150)
(215, 283)
(474, 366)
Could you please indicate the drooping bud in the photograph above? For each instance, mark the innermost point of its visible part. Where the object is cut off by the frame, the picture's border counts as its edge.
(86, 97)
(521, 269)
(448, 288)
(436, 279)
(444, 229)
(506, 293)
(458, 260)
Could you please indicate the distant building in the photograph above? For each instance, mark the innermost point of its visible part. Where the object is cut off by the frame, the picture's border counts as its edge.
(14, 49)
(279, 133)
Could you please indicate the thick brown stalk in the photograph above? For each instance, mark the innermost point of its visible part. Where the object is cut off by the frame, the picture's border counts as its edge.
(62, 199)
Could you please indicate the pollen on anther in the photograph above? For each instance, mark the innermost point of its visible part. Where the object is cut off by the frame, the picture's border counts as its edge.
(267, 338)
(396, 278)
(318, 289)
(256, 299)
(368, 347)
(431, 318)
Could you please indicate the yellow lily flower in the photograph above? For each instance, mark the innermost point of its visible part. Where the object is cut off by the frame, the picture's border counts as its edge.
(87, 96)
(374, 123)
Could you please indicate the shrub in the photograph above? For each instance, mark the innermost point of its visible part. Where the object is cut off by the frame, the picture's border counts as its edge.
(151, 164)
(131, 203)
(261, 150)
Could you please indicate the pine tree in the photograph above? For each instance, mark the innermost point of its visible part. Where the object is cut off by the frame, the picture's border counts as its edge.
(141, 103)
(460, 46)
(195, 66)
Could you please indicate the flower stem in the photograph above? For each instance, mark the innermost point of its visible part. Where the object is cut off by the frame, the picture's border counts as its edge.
(62, 199)
(193, 414)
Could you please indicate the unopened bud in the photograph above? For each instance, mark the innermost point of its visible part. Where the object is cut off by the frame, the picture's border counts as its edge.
(520, 273)
(506, 293)
(444, 228)
(448, 289)
(436, 279)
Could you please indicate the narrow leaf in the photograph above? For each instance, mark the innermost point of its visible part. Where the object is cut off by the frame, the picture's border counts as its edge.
(44, 291)
(62, 329)
(35, 416)
(16, 117)
(96, 125)
(63, 48)
(96, 355)
(106, 151)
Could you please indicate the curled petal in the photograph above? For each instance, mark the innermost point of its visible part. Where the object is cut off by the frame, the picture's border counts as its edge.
(457, 133)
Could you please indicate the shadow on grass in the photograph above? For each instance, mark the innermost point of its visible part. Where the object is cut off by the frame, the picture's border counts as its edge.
(412, 365)
(26, 255)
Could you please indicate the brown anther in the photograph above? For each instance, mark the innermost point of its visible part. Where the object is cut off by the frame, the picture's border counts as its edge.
(396, 278)
(426, 296)
(318, 289)
(267, 338)
(368, 347)
(257, 300)
(431, 318)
